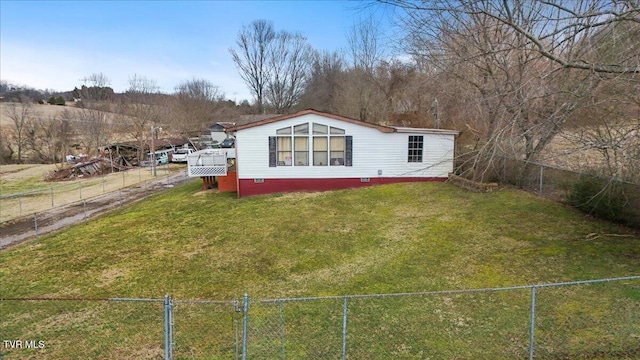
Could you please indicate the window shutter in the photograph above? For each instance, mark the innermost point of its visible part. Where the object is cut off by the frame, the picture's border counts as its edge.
(348, 153)
(272, 151)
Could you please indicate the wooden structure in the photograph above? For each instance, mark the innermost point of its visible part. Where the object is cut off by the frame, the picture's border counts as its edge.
(131, 153)
(92, 167)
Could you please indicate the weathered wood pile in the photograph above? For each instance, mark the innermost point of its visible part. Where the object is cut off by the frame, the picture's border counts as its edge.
(125, 155)
(92, 167)
(465, 183)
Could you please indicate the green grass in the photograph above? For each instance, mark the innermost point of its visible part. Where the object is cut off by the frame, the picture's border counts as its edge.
(383, 239)
(36, 185)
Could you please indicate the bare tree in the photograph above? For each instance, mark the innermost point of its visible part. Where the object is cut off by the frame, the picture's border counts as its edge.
(364, 39)
(140, 109)
(251, 57)
(289, 60)
(275, 66)
(97, 80)
(326, 83)
(50, 137)
(6, 152)
(365, 48)
(198, 103)
(63, 132)
(521, 65)
(94, 127)
(97, 89)
(551, 28)
(21, 116)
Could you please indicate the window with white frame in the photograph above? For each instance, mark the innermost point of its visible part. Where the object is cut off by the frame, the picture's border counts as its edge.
(416, 145)
(322, 146)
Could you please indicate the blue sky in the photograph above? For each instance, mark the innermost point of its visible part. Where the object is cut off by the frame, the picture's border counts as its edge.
(54, 44)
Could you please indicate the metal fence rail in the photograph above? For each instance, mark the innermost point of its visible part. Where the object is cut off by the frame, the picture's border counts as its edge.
(557, 184)
(64, 193)
(37, 223)
(581, 319)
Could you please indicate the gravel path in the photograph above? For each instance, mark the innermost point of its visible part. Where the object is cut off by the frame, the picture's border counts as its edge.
(27, 227)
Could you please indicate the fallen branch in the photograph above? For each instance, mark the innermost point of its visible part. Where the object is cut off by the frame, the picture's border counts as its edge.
(594, 236)
(471, 185)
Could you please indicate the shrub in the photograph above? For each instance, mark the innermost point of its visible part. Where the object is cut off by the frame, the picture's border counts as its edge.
(599, 197)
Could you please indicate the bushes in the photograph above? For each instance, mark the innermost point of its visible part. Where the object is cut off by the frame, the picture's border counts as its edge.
(56, 100)
(605, 199)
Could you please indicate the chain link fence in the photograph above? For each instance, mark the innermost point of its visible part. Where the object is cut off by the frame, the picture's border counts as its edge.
(204, 329)
(612, 199)
(596, 319)
(37, 223)
(81, 329)
(64, 193)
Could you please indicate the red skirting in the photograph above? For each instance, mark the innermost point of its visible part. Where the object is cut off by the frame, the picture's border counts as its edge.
(228, 183)
(250, 187)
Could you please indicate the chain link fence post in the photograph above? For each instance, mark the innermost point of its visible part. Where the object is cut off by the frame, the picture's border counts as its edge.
(344, 329)
(282, 333)
(168, 330)
(532, 320)
(245, 311)
(35, 221)
(541, 180)
(236, 347)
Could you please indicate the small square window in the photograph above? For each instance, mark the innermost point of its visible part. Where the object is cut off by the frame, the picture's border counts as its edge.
(415, 146)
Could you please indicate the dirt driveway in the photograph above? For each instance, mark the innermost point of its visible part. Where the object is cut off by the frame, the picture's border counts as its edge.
(28, 227)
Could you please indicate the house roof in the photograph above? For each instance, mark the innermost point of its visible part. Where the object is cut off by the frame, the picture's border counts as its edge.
(241, 120)
(248, 119)
(400, 129)
(386, 129)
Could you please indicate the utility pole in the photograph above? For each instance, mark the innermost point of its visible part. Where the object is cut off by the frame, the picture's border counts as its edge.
(434, 106)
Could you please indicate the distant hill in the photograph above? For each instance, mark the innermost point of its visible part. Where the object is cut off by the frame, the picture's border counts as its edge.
(15, 92)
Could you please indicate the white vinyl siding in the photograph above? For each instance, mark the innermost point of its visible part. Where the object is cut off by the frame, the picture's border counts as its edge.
(372, 151)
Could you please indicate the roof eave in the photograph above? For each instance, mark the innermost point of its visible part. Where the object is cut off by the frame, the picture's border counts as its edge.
(425, 131)
(381, 128)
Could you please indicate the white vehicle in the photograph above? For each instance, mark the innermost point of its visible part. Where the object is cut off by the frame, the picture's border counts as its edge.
(161, 156)
(181, 155)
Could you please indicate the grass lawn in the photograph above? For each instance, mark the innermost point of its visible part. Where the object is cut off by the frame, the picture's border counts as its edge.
(384, 239)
